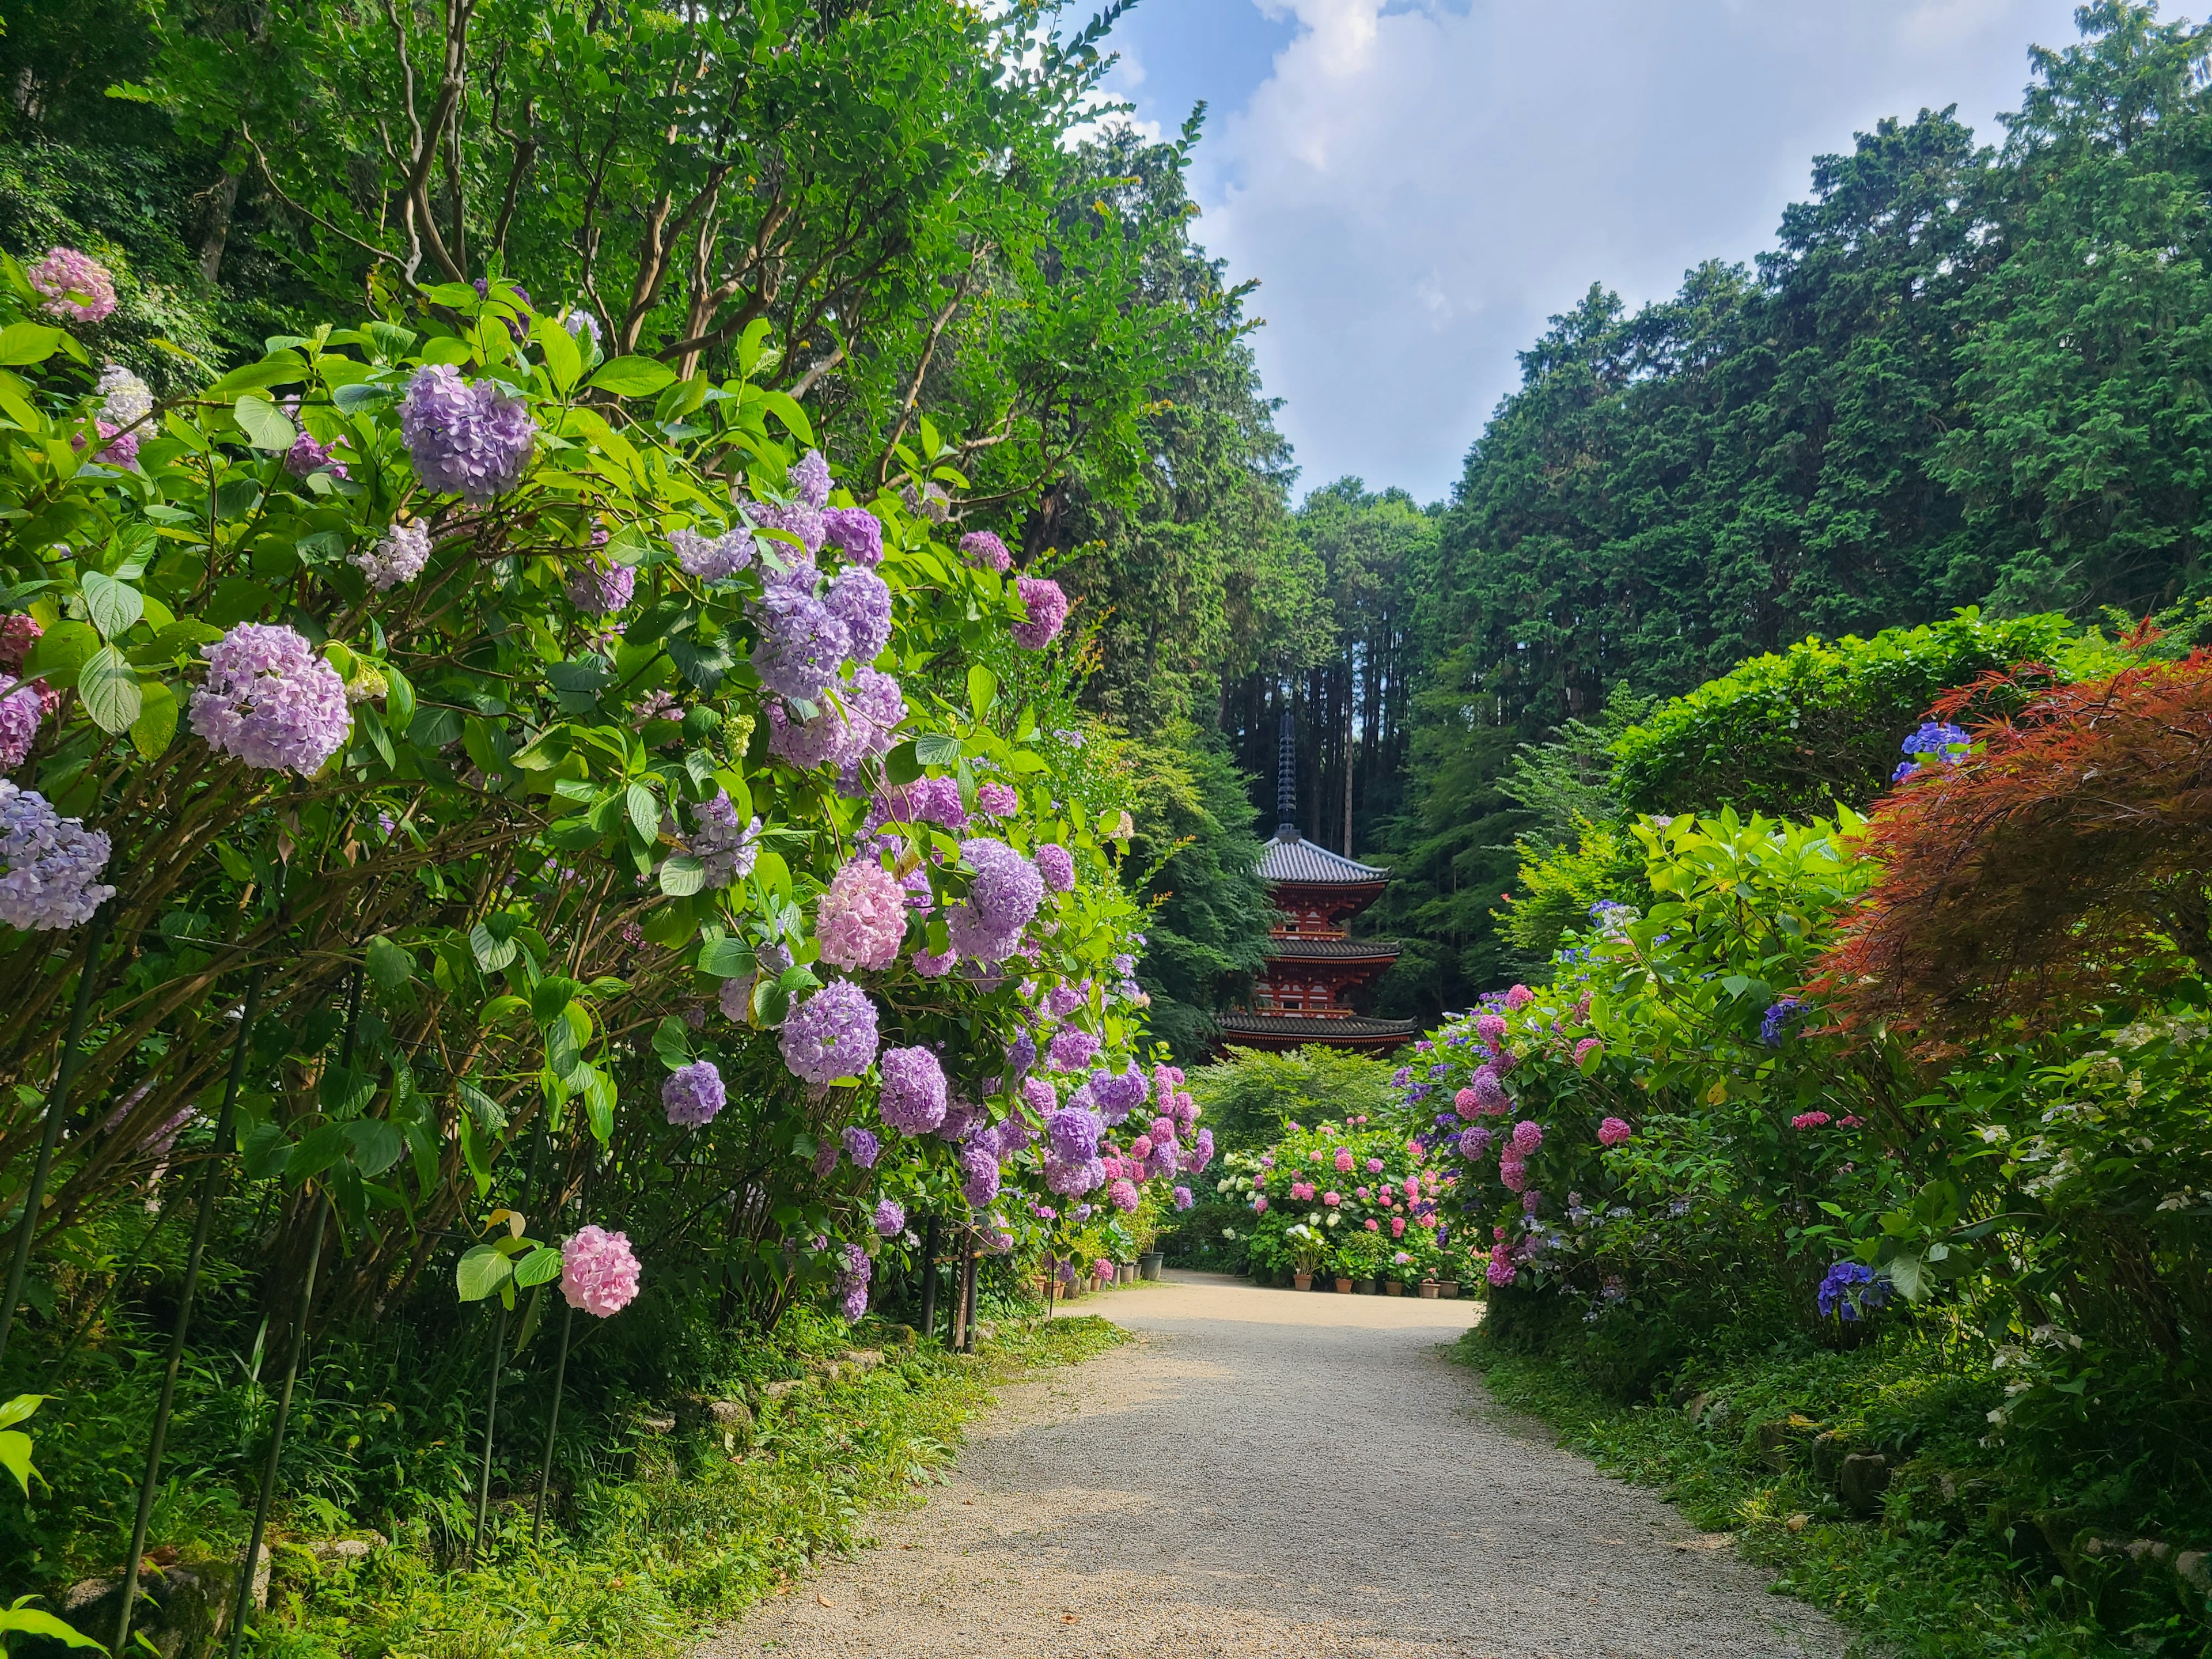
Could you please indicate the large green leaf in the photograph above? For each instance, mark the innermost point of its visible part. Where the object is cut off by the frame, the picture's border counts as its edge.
(481, 1270)
(155, 728)
(27, 343)
(263, 424)
(632, 377)
(114, 607)
(390, 966)
(540, 1265)
(376, 1145)
(108, 685)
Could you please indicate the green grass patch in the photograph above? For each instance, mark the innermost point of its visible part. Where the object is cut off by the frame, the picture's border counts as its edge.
(1947, 1569)
(680, 1533)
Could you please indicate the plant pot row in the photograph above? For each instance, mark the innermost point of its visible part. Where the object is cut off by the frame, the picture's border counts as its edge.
(1430, 1288)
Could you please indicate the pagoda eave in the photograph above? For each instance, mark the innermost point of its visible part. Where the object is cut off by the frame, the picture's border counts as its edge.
(1242, 1030)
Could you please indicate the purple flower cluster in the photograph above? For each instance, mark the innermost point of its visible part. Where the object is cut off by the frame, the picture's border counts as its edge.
(889, 1219)
(810, 476)
(713, 559)
(21, 709)
(913, 1100)
(926, 800)
(473, 442)
(727, 851)
(981, 548)
(1001, 900)
(979, 1175)
(1774, 1024)
(801, 642)
(1118, 1093)
(271, 700)
(1852, 1291)
(1072, 1049)
(397, 557)
(1048, 612)
(1000, 800)
(841, 737)
(50, 865)
(601, 590)
(1073, 1133)
(830, 1035)
(306, 456)
(862, 1147)
(852, 1287)
(1056, 865)
(1068, 1176)
(693, 1094)
(855, 532)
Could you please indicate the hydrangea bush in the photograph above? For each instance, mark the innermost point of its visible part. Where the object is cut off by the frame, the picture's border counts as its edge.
(1373, 1193)
(564, 749)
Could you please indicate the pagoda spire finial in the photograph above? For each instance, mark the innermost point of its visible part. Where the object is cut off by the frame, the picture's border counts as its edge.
(1286, 780)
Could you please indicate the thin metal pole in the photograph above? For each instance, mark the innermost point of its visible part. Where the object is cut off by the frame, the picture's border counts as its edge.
(491, 1422)
(552, 1422)
(974, 1267)
(211, 1195)
(276, 1432)
(88, 977)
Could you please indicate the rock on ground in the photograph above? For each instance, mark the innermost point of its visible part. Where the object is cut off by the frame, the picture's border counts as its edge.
(1275, 1473)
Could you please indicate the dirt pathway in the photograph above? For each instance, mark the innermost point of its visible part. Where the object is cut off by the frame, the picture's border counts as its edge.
(1266, 1473)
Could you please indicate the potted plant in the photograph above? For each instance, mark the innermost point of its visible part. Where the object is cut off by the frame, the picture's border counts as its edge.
(1394, 1287)
(1448, 1288)
(1429, 1290)
(1308, 1251)
(1359, 1257)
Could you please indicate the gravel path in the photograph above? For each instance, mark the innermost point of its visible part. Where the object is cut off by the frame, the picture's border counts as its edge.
(1268, 1472)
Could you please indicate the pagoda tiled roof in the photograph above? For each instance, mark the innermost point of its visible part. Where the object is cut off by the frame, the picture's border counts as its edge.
(1292, 859)
(1306, 947)
(1310, 1028)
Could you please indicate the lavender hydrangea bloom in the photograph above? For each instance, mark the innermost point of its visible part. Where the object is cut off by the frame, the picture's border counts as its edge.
(73, 285)
(306, 456)
(1056, 865)
(862, 1147)
(20, 711)
(1021, 1054)
(474, 441)
(727, 851)
(799, 520)
(1073, 1049)
(1182, 1198)
(855, 532)
(1002, 900)
(926, 800)
(271, 700)
(889, 1219)
(825, 1160)
(914, 1095)
(828, 739)
(981, 548)
(713, 559)
(50, 865)
(399, 557)
(1073, 1133)
(1201, 1153)
(861, 600)
(1118, 1093)
(852, 1287)
(1014, 1137)
(979, 1175)
(810, 477)
(124, 398)
(693, 1094)
(801, 643)
(599, 590)
(830, 1035)
(1068, 1176)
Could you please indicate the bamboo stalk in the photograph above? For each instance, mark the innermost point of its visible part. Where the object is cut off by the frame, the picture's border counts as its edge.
(211, 1195)
(491, 1422)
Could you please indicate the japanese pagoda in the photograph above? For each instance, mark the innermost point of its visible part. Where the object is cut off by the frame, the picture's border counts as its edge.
(1314, 965)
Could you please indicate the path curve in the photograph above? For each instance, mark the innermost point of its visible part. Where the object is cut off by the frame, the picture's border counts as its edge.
(1269, 1472)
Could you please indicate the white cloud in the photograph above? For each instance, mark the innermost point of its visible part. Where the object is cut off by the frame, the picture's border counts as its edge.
(1418, 185)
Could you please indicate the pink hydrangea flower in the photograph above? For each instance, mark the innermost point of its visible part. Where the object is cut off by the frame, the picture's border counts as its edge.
(1519, 997)
(1397, 1226)
(981, 548)
(860, 920)
(1344, 1161)
(1123, 1193)
(1527, 1136)
(1613, 1132)
(1047, 608)
(1302, 1191)
(599, 1272)
(1586, 1047)
(1374, 1166)
(1000, 800)
(1810, 1121)
(1373, 1225)
(1332, 1199)
(74, 286)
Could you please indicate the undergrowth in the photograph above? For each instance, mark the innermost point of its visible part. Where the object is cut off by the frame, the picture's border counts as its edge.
(1949, 1569)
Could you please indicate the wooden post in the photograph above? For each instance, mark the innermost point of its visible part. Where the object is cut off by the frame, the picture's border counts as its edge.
(974, 1265)
(929, 1280)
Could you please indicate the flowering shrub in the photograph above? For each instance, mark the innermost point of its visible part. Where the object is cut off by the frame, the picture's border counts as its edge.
(567, 755)
(1369, 1197)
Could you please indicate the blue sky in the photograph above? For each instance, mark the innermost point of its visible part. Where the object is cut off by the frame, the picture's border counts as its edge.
(1418, 184)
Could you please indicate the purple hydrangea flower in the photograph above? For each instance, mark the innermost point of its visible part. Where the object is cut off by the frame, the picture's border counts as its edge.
(727, 852)
(1014, 1137)
(1002, 900)
(979, 1175)
(1073, 1049)
(271, 700)
(1118, 1093)
(1056, 865)
(1202, 1152)
(926, 800)
(713, 559)
(306, 456)
(20, 710)
(861, 600)
(1047, 609)
(599, 590)
(799, 520)
(1851, 1290)
(830, 1035)
(1021, 1054)
(399, 557)
(862, 1147)
(1182, 1198)
(889, 1219)
(809, 478)
(825, 1160)
(801, 643)
(1068, 1176)
(998, 801)
(50, 865)
(855, 532)
(981, 547)
(913, 1100)
(1775, 1023)
(474, 441)
(72, 285)
(693, 1094)
(1073, 1133)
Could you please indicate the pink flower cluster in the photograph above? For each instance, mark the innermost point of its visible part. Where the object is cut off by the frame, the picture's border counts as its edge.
(599, 1272)
(860, 920)
(1614, 1132)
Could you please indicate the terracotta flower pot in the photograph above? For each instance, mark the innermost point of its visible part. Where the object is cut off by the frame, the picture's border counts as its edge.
(1392, 1287)
(1448, 1288)
(1343, 1287)
(1303, 1281)
(1429, 1289)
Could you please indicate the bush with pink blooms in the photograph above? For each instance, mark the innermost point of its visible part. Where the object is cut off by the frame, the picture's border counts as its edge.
(1376, 1198)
